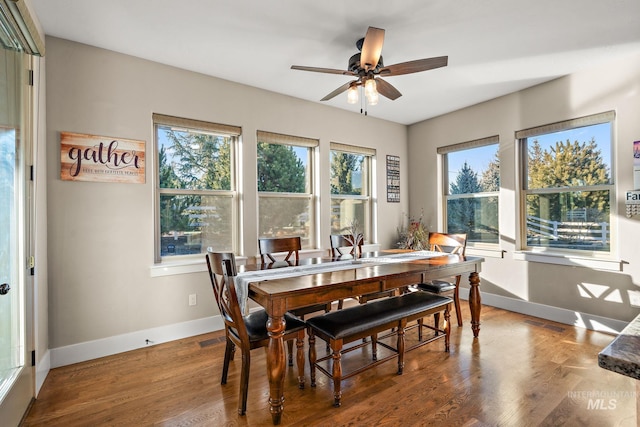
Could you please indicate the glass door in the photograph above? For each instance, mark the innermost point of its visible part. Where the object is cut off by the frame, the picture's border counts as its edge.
(16, 383)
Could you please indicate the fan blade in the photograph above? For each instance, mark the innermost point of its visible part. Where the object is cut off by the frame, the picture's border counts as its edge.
(323, 70)
(386, 89)
(338, 91)
(371, 48)
(414, 66)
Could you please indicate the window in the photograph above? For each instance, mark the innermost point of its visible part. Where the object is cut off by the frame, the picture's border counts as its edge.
(351, 176)
(285, 187)
(567, 184)
(196, 199)
(471, 189)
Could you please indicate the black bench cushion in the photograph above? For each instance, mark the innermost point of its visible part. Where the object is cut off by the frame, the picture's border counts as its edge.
(365, 317)
(437, 286)
(256, 323)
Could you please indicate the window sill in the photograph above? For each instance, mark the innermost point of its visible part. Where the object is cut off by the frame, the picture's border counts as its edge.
(186, 266)
(484, 252)
(197, 265)
(569, 260)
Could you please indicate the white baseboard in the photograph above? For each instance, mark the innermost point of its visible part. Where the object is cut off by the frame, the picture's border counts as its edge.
(81, 352)
(42, 370)
(555, 314)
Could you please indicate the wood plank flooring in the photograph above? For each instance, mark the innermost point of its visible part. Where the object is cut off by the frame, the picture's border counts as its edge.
(522, 371)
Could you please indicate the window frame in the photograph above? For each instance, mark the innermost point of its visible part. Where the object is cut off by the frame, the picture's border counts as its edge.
(521, 138)
(310, 193)
(443, 153)
(368, 229)
(202, 127)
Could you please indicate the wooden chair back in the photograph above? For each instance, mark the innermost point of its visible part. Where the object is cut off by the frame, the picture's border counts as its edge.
(222, 271)
(450, 243)
(346, 244)
(268, 247)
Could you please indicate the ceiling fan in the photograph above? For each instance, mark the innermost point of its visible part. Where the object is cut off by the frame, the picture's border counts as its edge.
(368, 67)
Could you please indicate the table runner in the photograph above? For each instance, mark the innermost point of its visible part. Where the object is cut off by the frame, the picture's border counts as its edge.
(244, 278)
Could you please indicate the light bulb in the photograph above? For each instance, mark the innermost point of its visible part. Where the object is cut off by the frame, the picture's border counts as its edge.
(372, 98)
(352, 95)
(370, 87)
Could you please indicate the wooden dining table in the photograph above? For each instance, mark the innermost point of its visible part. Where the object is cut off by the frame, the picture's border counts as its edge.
(280, 295)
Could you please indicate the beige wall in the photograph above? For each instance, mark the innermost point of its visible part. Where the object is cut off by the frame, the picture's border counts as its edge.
(100, 235)
(615, 86)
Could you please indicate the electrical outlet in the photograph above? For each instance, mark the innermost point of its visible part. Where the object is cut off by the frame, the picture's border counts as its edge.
(193, 299)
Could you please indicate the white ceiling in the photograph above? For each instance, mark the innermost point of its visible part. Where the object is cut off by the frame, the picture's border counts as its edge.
(495, 47)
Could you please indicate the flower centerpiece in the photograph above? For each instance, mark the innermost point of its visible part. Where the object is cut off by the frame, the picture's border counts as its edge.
(415, 235)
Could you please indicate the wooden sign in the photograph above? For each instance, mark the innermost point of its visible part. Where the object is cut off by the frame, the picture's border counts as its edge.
(393, 179)
(101, 158)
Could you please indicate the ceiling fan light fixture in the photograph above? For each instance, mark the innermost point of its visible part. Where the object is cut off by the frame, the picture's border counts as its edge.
(372, 98)
(371, 91)
(366, 65)
(370, 87)
(352, 94)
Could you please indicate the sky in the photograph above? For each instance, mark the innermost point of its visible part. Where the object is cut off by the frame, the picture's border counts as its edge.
(479, 158)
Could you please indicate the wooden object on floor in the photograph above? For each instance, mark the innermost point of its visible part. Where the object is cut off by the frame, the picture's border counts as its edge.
(546, 378)
(455, 244)
(351, 324)
(245, 332)
(278, 296)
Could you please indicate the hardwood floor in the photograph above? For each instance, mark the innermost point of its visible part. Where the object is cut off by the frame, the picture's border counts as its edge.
(522, 371)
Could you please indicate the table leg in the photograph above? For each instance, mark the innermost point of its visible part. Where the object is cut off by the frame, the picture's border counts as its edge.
(276, 367)
(474, 302)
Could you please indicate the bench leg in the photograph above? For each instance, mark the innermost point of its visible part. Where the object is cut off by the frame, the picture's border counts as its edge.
(374, 347)
(312, 357)
(400, 344)
(336, 346)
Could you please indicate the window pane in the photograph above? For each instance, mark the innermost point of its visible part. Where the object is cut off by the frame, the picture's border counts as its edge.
(286, 216)
(283, 168)
(475, 216)
(474, 170)
(347, 174)
(343, 213)
(569, 220)
(193, 160)
(571, 158)
(192, 223)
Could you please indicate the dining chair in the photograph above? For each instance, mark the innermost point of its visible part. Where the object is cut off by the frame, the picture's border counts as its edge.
(246, 332)
(290, 246)
(454, 244)
(343, 245)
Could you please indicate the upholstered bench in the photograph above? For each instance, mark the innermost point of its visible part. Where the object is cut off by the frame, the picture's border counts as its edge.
(350, 324)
